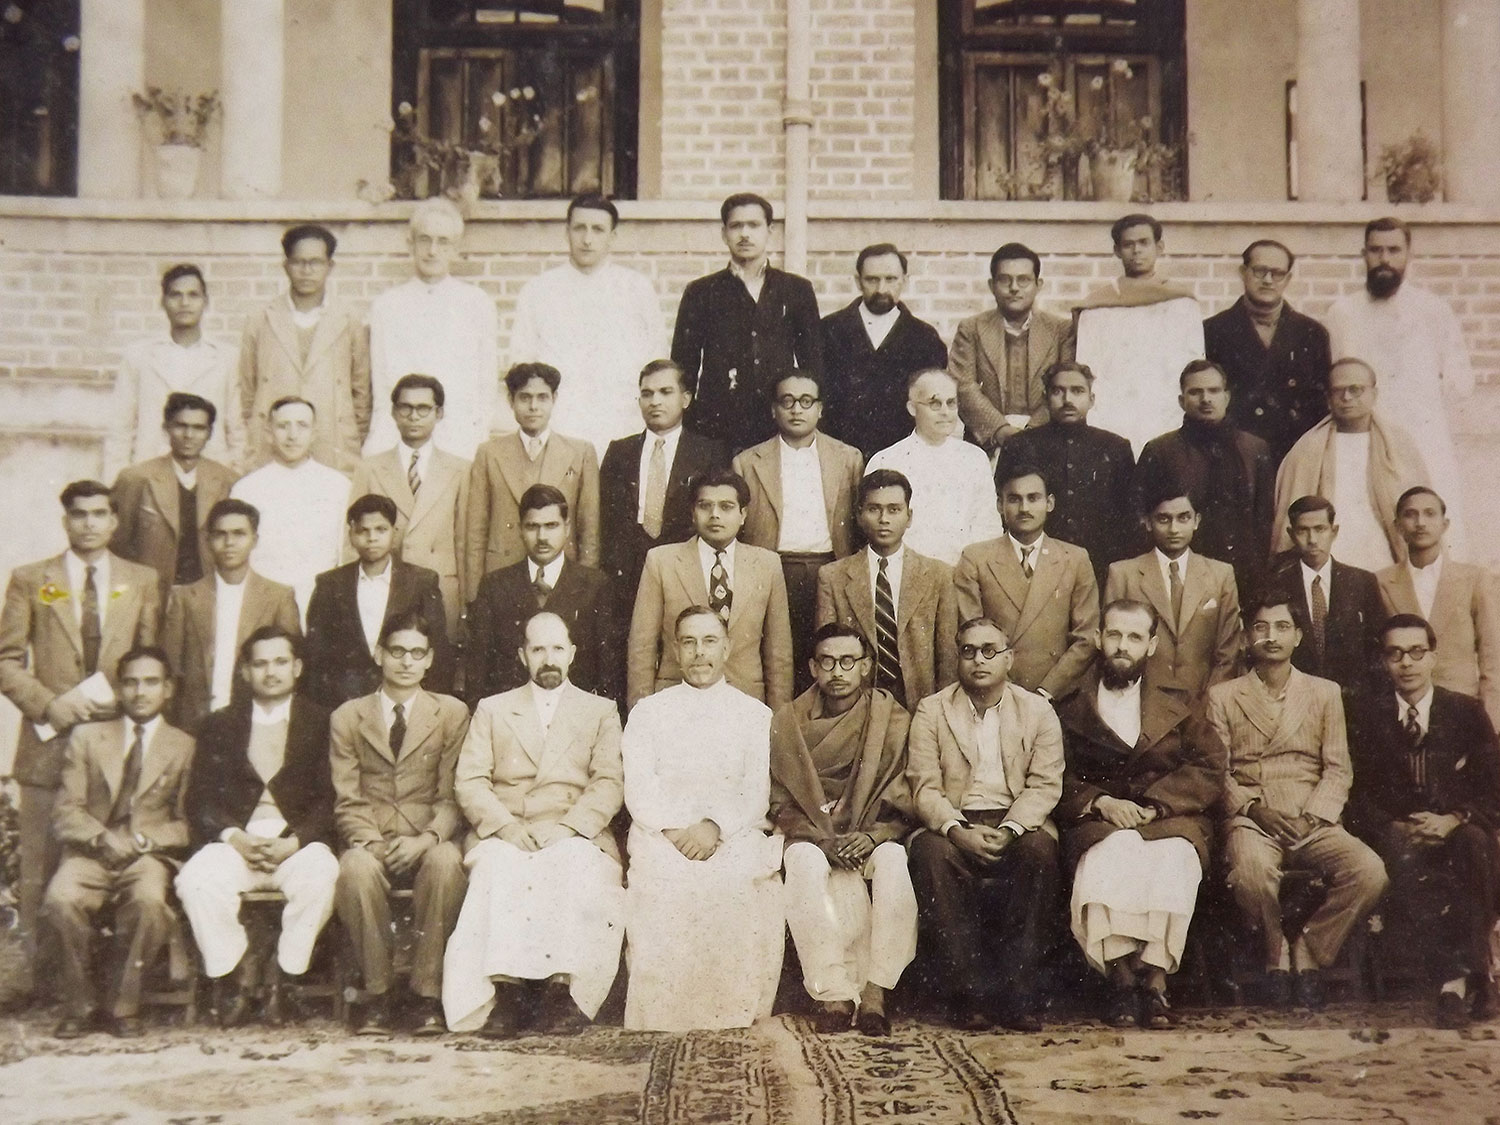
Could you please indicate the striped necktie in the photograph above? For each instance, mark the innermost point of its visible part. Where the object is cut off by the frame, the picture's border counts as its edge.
(413, 479)
(887, 650)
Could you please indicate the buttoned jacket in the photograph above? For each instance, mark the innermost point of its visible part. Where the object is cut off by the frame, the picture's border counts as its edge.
(93, 771)
(1201, 645)
(977, 361)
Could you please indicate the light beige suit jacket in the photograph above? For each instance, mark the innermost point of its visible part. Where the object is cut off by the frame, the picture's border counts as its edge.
(93, 770)
(977, 361)
(841, 467)
(510, 771)
(146, 497)
(1202, 646)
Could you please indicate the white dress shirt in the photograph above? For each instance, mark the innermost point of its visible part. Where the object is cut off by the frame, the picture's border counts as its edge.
(424, 459)
(988, 788)
(551, 572)
(804, 515)
(372, 595)
(1034, 551)
(669, 453)
(229, 599)
(1121, 710)
(878, 325)
(546, 701)
(188, 478)
(754, 280)
(77, 573)
(1362, 539)
(1423, 706)
(706, 561)
(893, 565)
(952, 494)
(306, 318)
(1326, 574)
(1166, 568)
(1424, 580)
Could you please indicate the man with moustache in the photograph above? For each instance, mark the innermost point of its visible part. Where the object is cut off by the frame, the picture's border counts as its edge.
(1412, 338)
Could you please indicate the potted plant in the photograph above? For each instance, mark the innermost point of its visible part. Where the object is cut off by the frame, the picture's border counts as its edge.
(1412, 170)
(427, 165)
(1121, 144)
(180, 122)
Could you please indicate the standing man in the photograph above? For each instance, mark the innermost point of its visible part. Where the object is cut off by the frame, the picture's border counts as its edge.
(163, 511)
(1289, 777)
(802, 494)
(430, 487)
(1457, 598)
(308, 346)
(1039, 590)
(1230, 470)
(1427, 798)
(871, 347)
(703, 911)
(740, 583)
(739, 329)
(206, 624)
(437, 324)
(393, 756)
(350, 605)
(999, 356)
(1411, 336)
(301, 502)
(67, 622)
(260, 809)
(598, 323)
(985, 765)
(506, 466)
(1276, 358)
(540, 779)
(953, 493)
(900, 601)
(1360, 458)
(840, 800)
(1090, 470)
(184, 362)
(120, 822)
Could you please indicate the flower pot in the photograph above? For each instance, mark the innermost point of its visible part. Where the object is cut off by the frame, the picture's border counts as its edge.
(1114, 174)
(177, 171)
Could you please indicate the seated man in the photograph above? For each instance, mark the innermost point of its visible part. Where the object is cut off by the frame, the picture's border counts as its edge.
(1143, 771)
(351, 603)
(703, 910)
(540, 779)
(260, 809)
(985, 764)
(839, 797)
(1289, 776)
(119, 819)
(1427, 797)
(545, 579)
(393, 755)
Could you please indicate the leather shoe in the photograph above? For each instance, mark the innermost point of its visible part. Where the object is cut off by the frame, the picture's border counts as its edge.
(73, 1027)
(1307, 988)
(1452, 1011)
(428, 1019)
(1278, 987)
(871, 1022)
(832, 1016)
(126, 1027)
(375, 1017)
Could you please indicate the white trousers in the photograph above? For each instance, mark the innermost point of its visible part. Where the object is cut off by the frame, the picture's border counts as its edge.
(1133, 895)
(210, 884)
(846, 934)
(532, 915)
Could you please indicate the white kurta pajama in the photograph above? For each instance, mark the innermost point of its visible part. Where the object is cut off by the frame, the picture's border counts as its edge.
(705, 936)
(301, 522)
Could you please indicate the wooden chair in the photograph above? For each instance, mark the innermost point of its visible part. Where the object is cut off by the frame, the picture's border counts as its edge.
(260, 914)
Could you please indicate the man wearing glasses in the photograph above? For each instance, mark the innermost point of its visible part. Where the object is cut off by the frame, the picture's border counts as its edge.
(1276, 358)
(1427, 798)
(985, 768)
(803, 489)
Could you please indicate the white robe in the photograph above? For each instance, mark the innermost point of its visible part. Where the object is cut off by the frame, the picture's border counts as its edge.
(301, 522)
(1131, 895)
(705, 936)
(1421, 362)
(153, 369)
(952, 494)
(598, 329)
(449, 331)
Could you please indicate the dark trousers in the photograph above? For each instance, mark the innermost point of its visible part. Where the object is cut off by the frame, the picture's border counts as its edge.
(362, 898)
(801, 574)
(988, 925)
(1445, 892)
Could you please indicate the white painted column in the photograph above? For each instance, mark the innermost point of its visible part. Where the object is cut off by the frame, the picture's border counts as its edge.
(253, 80)
(1330, 160)
(1471, 97)
(111, 67)
(796, 120)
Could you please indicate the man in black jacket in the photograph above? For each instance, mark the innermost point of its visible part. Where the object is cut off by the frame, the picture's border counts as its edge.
(871, 347)
(260, 811)
(741, 329)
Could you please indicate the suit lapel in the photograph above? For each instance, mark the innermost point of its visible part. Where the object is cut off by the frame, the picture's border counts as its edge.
(163, 484)
(117, 608)
(372, 726)
(560, 735)
(690, 574)
(1160, 714)
(279, 317)
(1293, 710)
(523, 721)
(957, 711)
(915, 593)
(766, 461)
(1009, 576)
(110, 754)
(330, 325)
(862, 597)
(992, 341)
(1149, 576)
(1399, 593)
(830, 469)
(420, 723)
(390, 477)
(1044, 579)
(56, 575)
(511, 453)
(440, 470)
(1194, 587)
(155, 761)
(252, 607)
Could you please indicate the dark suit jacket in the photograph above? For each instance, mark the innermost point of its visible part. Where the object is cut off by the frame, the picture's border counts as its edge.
(337, 665)
(737, 348)
(978, 363)
(841, 466)
(1350, 656)
(224, 787)
(1276, 393)
(1176, 766)
(146, 497)
(864, 388)
(497, 623)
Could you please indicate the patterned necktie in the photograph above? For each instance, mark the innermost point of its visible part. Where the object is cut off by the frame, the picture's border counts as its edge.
(398, 730)
(542, 590)
(1174, 569)
(1026, 565)
(1319, 615)
(720, 596)
(1416, 752)
(656, 489)
(130, 778)
(533, 448)
(413, 480)
(89, 624)
(887, 650)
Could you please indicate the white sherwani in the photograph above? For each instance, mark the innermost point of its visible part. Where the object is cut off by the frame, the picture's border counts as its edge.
(1421, 362)
(952, 494)
(301, 522)
(599, 329)
(150, 371)
(705, 936)
(447, 330)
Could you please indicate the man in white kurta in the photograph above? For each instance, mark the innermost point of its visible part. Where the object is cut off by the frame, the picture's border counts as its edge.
(703, 908)
(952, 489)
(301, 504)
(1413, 341)
(538, 940)
(596, 322)
(435, 325)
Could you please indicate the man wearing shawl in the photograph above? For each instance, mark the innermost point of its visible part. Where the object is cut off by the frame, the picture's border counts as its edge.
(838, 796)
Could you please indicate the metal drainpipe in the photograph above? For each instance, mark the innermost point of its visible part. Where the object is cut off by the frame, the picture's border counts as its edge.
(796, 120)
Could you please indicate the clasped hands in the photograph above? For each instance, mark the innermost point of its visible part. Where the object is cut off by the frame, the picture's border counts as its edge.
(1285, 830)
(983, 843)
(263, 853)
(1123, 813)
(534, 837)
(848, 851)
(1428, 827)
(698, 841)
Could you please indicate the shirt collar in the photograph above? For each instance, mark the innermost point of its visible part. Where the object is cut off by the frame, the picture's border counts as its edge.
(788, 450)
(743, 274)
(1131, 690)
(406, 451)
(381, 579)
(148, 729)
(1021, 549)
(527, 439)
(388, 707)
(188, 478)
(1423, 706)
(78, 571)
(547, 697)
(1013, 331)
(261, 715)
(706, 553)
(552, 571)
(1326, 573)
(878, 318)
(1181, 561)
